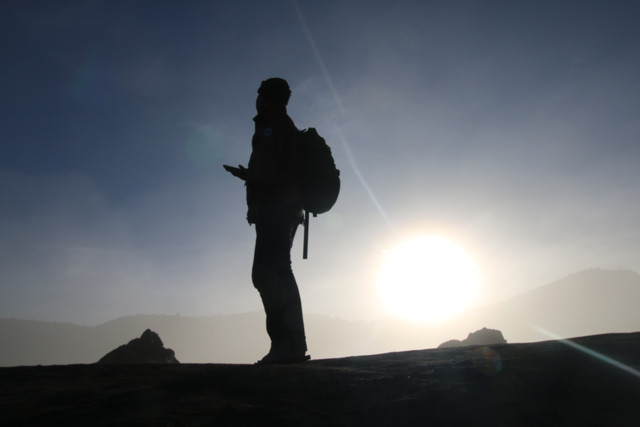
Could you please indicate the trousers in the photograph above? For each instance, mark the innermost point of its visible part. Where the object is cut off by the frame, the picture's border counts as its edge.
(273, 277)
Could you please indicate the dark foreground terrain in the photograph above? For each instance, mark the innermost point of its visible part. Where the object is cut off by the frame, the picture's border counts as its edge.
(590, 381)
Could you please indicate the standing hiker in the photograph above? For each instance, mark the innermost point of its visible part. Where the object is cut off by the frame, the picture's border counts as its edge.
(275, 208)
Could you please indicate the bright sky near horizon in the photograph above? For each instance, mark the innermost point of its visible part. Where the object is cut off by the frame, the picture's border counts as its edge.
(509, 128)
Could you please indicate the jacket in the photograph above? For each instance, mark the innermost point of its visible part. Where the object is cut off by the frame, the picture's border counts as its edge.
(273, 166)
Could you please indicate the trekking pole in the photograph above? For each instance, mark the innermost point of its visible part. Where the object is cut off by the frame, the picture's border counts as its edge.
(305, 245)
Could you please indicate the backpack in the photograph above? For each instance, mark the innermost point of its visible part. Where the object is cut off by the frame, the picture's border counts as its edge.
(318, 175)
(319, 178)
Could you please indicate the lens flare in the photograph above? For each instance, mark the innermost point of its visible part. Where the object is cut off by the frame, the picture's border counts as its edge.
(486, 360)
(203, 146)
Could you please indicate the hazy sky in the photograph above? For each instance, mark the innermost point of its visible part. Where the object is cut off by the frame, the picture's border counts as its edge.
(510, 127)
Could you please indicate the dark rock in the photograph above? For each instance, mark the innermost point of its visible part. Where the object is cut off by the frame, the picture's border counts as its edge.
(451, 344)
(146, 349)
(483, 336)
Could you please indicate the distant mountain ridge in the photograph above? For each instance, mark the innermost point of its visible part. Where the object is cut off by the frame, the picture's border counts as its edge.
(586, 303)
(587, 282)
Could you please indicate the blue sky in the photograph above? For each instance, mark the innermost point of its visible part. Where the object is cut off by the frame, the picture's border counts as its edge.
(509, 127)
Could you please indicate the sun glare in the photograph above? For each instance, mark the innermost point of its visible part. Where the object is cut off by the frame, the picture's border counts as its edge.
(427, 279)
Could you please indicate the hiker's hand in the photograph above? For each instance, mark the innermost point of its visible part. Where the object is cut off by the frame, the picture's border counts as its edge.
(239, 172)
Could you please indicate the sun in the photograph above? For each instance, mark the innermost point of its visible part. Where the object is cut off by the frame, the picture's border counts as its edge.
(427, 279)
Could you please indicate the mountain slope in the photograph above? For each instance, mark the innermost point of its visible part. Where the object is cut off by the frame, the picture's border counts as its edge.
(585, 303)
(534, 384)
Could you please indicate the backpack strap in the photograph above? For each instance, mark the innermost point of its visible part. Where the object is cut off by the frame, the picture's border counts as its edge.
(305, 245)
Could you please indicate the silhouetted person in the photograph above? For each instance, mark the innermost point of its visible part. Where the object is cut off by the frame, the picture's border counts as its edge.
(275, 207)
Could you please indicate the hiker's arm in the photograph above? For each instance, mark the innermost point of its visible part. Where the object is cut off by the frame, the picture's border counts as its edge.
(239, 172)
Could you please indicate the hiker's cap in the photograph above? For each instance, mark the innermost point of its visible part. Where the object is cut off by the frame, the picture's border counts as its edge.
(275, 90)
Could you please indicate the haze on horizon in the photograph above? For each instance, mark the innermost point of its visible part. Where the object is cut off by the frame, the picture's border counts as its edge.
(510, 128)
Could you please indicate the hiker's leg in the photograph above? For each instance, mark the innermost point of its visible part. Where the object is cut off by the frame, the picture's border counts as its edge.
(265, 279)
(292, 310)
(273, 278)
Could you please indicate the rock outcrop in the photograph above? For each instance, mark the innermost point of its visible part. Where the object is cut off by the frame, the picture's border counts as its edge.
(146, 349)
(483, 336)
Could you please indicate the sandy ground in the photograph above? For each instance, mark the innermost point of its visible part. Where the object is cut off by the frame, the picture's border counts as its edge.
(549, 383)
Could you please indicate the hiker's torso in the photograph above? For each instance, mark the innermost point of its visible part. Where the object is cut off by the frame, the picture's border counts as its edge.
(273, 162)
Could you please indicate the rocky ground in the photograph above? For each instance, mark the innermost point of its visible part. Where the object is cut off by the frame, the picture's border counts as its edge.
(594, 381)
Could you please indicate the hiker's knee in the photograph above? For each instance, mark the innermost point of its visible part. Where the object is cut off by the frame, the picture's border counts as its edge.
(260, 277)
(272, 275)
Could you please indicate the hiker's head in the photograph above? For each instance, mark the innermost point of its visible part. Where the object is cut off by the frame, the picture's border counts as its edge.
(273, 92)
